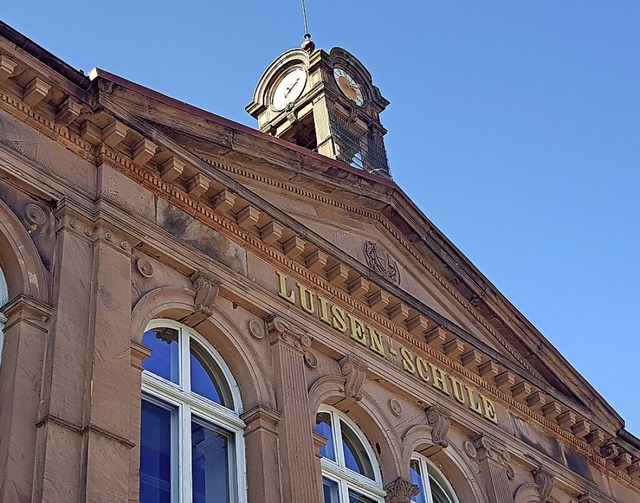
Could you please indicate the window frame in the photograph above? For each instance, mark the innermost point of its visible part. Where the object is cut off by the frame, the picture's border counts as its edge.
(338, 472)
(162, 392)
(4, 298)
(429, 472)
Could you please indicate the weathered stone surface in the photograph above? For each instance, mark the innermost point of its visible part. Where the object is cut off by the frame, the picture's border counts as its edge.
(203, 238)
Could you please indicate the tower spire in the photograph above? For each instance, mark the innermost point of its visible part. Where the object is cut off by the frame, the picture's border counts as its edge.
(307, 43)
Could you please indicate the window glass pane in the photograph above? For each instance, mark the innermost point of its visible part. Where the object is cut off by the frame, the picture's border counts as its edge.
(438, 493)
(355, 497)
(416, 478)
(205, 379)
(323, 427)
(210, 463)
(155, 453)
(330, 490)
(355, 455)
(163, 343)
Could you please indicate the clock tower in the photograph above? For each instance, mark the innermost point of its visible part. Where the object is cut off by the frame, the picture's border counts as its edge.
(326, 102)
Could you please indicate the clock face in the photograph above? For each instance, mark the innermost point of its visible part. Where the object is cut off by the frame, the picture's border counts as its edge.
(348, 85)
(289, 88)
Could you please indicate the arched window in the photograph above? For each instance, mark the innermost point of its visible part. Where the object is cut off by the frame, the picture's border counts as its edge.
(350, 473)
(4, 298)
(434, 486)
(191, 443)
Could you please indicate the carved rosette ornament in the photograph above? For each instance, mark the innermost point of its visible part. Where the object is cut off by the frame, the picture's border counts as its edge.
(400, 491)
(379, 260)
(439, 419)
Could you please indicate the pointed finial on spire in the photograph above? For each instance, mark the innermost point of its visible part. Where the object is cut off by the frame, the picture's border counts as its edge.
(307, 43)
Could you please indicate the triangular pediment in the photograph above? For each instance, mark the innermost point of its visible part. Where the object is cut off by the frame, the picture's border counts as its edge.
(308, 205)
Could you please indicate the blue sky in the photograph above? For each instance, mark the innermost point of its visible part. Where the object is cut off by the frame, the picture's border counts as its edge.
(514, 125)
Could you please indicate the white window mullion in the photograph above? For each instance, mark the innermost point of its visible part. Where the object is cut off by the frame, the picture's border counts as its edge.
(337, 439)
(344, 491)
(184, 461)
(425, 480)
(185, 374)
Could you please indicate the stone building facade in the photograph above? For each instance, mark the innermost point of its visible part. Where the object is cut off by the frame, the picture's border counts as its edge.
(194, 310)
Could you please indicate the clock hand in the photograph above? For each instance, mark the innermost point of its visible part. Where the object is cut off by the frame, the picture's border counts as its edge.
(292, 86)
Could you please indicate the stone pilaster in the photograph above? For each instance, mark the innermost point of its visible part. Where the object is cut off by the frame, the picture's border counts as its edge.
(261, 447)
(139, 353)
(495, 469)
(288, 344)
(25, 334)
(85, 416)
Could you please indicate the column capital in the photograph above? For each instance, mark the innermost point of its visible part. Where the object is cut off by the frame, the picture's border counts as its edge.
(282, 330)
(261, 418)
(400, 491)
(489, 449)
(24, 308)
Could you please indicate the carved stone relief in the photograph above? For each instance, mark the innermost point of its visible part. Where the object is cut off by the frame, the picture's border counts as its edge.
(439, 419)
(379, 260)
(282, 330)
(538, 491)
(400, 491)
(206, 286)
(354, 372)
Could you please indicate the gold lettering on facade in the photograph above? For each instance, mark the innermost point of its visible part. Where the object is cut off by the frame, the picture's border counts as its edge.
(423, 369)
(458, 390)
(474, 404)
(307, 299)
(439, 380)
(338, 318)
(282, 282)
(357, 329)
(375, 339)
(324, 310)
(407, 361)
(364, 334)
